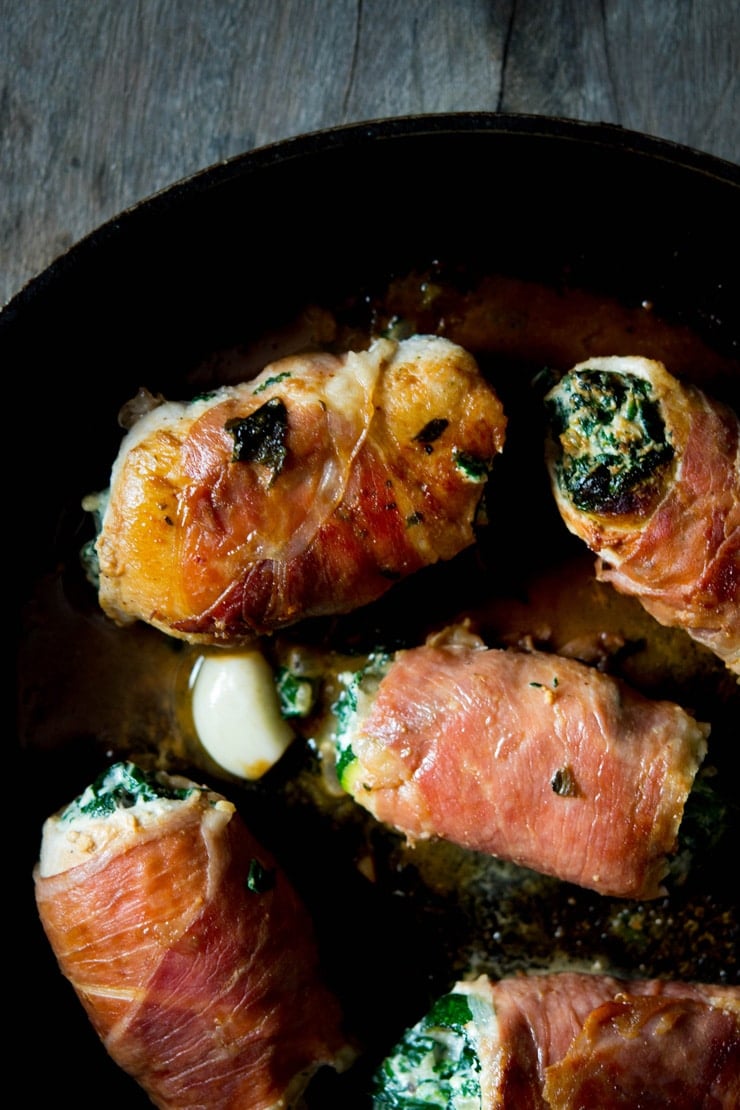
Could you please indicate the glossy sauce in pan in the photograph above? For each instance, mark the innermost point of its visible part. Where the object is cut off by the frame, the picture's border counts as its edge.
(398, 925)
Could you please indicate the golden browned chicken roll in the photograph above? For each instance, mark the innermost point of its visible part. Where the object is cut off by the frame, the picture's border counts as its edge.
(307, 491)
(191, 953)
(527, 756)
(646, 470)
(569, 1041)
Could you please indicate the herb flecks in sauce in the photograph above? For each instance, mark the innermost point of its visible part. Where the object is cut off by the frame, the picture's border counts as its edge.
(612, 439)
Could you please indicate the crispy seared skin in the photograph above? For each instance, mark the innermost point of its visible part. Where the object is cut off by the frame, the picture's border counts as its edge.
(306, 492)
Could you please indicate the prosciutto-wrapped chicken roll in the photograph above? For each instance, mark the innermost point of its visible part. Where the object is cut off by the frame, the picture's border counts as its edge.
(646, 470)
(307, 491)
(569, 1041)
(191, 953)
(530, 757)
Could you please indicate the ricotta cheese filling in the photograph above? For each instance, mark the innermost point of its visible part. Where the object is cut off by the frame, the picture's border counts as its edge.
(438, 1062)
(124, 803)
(611, 436)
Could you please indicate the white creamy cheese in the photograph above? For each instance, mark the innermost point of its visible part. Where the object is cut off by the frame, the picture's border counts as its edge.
(68, 841)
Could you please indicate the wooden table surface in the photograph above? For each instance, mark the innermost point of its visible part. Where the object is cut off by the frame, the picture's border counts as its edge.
(103, 104)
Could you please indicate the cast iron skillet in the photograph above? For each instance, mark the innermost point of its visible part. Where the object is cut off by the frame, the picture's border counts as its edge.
(235, 251)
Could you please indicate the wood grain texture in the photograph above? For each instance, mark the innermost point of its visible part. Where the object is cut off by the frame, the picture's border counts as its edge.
(103, 104)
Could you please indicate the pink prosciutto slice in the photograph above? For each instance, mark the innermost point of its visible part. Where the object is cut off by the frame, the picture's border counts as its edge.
(570, 1040)
(191, 953)
(676, 1049)
(646, 471)
(306, 492)
(530, 757)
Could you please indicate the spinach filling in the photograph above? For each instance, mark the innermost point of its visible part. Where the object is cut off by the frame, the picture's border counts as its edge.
(95, 503)
(298, 693)
(612, 438)
(707, 818)
(120, 787)
(436, 1064)
(358, 686)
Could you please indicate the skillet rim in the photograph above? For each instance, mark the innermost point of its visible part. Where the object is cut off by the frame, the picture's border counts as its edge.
(600, 136)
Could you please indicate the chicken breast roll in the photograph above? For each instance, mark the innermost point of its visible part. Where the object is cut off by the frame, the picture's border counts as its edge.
(646, 471)
(191, 953)
(534, 758)
(569, 1041)
(305, 492)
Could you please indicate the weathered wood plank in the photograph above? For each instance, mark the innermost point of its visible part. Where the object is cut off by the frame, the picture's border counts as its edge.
(103, 104)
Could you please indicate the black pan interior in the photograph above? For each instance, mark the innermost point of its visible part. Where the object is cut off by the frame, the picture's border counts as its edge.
(235, 252)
